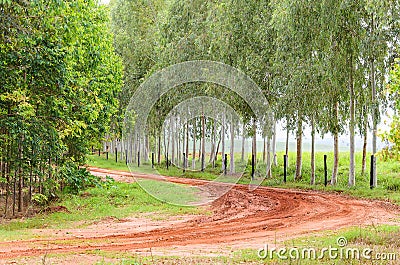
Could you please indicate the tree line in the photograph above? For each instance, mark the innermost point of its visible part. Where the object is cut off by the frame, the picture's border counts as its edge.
(59, 84)
(322, 64)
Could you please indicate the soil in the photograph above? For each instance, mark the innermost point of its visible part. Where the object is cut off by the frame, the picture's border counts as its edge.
(241, 218)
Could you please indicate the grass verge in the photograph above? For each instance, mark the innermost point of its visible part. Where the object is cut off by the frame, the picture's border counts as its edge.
(118, 200)
(388, 174)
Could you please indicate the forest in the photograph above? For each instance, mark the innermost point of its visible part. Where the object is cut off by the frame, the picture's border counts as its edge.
(69, 69)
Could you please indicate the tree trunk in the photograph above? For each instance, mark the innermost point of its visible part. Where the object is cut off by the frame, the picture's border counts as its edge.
(264, 149)
(352, 176)
(268, 157)
(365, 138)
(243, 142)
(194, 145)
(274, 146)
(178, 143)
(223, 142)
(335, 158)
(159, 149)
(20, 184)
(312, 152)
(217, 149)
(147, 147)
(335, 147)
(299, 149)
(375, 112)
(213, 143)
(287, 141)
(254, 146)
(232, 161)
(203, 142)
(172, 139)
(187, 145)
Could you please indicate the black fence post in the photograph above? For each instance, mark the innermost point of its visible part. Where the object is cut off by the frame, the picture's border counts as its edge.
(99, 151)
(167, 161)
(252, 167)
(284, 168)
(371, 174)
(152, 160)
(126, 157)
(107, 155)
(138, 158)
(116, 155)
(225, 163)
(325, 171)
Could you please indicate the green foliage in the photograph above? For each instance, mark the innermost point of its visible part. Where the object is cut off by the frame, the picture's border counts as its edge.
(60, 77)
(77, 178)
(40, 199)
(392, 151)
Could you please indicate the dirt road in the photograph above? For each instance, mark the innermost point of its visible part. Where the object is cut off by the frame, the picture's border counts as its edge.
(241, 219)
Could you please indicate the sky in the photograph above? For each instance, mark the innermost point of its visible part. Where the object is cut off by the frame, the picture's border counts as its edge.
(104, 1)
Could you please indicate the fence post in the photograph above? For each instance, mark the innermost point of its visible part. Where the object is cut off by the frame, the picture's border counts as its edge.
(138, 158)
(202, 162)
(152, 160)
(225, 163)
(371, 175)
(252, 167)
(116, 155)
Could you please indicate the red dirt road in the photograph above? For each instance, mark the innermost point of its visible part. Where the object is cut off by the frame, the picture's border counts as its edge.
(241, 219)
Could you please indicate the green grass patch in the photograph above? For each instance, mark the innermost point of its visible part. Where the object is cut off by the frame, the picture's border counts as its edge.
(388, 174)
(118, 200)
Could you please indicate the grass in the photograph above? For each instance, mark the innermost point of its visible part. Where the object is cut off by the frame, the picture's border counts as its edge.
(388, 177)
(382, 239)
(379, 239)
(117, 200)
(388, 174)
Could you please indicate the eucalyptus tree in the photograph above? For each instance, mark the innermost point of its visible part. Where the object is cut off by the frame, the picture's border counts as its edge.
(357, 40)
(136, 36)
(247, 46)
(381, 29)
(297, 72)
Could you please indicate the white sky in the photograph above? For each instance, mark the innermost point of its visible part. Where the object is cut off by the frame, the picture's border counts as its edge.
(104, 1)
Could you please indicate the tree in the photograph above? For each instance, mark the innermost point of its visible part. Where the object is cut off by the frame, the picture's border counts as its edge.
(60, 78)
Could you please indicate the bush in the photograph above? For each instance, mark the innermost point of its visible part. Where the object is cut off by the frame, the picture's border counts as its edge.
(76, 178)
(40, 199)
